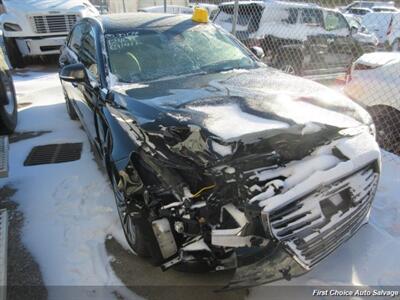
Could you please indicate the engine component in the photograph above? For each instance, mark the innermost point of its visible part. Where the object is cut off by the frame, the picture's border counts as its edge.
(165, 238)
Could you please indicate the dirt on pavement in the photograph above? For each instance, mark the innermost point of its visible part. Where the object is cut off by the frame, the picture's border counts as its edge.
(23, 273)
(151, 283)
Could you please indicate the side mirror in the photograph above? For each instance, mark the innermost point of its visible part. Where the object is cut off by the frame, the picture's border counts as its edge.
(258, 51)
(73, 73)
(353, 30)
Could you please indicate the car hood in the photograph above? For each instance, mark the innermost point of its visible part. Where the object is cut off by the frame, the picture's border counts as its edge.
(238, 106)
(379, 59)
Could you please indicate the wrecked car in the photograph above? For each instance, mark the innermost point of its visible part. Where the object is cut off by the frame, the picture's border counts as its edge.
(217, 161)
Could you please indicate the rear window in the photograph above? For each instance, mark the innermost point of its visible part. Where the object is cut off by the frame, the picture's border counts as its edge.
(249, 17)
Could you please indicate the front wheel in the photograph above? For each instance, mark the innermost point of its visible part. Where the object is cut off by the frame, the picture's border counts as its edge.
(8, 112)
(13, 53)
(134, 236)
(289, 63)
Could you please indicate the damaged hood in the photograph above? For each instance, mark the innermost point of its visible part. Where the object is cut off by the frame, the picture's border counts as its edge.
(240, 105)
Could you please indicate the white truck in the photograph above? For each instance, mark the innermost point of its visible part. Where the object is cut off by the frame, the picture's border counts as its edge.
(39, 27)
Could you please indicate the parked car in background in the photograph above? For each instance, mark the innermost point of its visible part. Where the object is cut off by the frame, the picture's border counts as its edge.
(8, 99)
(378, 23)
(367, 4)
(302, 39)
(37, 27)
(270, 197)
(374, 82)
(359, 11)
(384, 9)
(367, 39)
(393, 33)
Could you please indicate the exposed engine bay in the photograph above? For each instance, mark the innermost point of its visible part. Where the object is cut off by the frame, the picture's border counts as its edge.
(270, 215)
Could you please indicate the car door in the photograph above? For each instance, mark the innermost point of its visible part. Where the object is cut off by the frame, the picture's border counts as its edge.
(69, 55)
(88, 90)
(340, 43)
(311, 29)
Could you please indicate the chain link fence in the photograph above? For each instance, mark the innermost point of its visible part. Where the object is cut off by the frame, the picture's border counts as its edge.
(354, 43)
(352, 46)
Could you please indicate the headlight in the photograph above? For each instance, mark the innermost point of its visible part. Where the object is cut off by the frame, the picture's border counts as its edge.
(11, 27)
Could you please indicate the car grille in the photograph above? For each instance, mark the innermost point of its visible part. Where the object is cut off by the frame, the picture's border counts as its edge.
(53, 23)
(315, 225)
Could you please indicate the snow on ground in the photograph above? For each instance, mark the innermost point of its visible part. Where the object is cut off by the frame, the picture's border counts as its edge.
(69, 208)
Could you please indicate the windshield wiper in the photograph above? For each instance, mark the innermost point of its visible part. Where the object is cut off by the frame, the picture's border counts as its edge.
(225, 65)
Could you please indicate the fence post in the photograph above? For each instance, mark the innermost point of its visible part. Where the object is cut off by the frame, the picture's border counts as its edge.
(235, 16)
(123, 6)
(165, 6)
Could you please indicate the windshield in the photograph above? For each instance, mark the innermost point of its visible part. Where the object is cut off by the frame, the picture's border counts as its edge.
(147, 54)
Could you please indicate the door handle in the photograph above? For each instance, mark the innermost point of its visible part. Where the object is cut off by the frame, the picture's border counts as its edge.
(74, 84)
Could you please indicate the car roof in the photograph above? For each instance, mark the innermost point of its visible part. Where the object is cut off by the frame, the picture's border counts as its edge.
(115, 23)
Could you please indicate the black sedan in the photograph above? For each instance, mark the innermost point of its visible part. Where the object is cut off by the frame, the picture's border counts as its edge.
(217, 161)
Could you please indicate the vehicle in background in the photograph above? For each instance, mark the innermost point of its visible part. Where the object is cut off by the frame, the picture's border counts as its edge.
(367, 4)
(359, 11)
(393, 33)
(378, 23)
(36, 27)
(102, 9)
(361, 34)
(171, 9)
(158, 97)
(301, 39)
(384, 9)
(8, 99)
(374, 82)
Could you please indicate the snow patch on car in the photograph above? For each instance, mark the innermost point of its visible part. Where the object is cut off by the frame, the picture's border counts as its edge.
(229, 121)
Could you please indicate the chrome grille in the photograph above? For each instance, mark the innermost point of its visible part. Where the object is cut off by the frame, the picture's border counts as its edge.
(315, 225)
(53, 23)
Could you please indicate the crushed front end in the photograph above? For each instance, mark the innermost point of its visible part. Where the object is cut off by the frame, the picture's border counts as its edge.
(269, 209)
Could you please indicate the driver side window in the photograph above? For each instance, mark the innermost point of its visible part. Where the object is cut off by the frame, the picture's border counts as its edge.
(82, 43)
(75, 40)
(87, 55)
(335, 21)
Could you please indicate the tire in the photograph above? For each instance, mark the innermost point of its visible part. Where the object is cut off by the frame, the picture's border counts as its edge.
(387, 124)
(13, 53)
(289, 63)
(70, 108)
(396, 45)
(133, 235)
(8, 113)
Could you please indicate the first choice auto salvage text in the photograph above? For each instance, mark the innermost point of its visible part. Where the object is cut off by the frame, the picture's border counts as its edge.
(356, 292)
